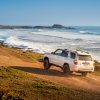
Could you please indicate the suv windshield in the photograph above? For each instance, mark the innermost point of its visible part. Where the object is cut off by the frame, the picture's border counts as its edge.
(85, 57)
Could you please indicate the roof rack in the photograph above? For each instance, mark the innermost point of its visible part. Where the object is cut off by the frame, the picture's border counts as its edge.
(77, 50)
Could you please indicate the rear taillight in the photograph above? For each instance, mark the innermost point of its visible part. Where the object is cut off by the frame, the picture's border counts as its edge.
(75, 62)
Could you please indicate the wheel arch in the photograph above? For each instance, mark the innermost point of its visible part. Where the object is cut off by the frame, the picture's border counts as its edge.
(65, 64)
(46, 58)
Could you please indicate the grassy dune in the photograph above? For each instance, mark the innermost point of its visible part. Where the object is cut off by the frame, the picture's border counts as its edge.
(15, 85)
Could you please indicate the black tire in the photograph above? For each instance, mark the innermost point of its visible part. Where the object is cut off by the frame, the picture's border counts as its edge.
(84, 74)
(66, 69)
(46, 63)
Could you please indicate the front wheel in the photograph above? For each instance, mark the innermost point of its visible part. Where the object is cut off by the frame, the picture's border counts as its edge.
(66, 69)
(84, 74)
(46, 63)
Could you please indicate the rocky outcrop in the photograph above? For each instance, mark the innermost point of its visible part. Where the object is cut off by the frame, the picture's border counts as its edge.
(57, 26)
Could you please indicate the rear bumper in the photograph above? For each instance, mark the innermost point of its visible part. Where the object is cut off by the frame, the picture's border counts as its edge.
(83, 68)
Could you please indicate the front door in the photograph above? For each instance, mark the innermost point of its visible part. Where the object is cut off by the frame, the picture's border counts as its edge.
(56, 57)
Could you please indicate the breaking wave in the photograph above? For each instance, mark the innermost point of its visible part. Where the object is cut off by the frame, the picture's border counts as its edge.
(26, 45)
(43, 40)
(87, 32)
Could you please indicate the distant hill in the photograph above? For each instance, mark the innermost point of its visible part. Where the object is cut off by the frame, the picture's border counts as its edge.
(57, 26)
(14, 27)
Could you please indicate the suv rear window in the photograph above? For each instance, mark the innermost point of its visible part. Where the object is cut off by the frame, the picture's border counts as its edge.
(72, 55)
(85, 57)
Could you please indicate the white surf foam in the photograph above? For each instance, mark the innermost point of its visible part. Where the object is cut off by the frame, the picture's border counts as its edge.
(38, 47)
(48, 40)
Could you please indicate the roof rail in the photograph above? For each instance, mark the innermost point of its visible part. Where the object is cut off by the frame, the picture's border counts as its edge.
(82, 51)
(75, 50)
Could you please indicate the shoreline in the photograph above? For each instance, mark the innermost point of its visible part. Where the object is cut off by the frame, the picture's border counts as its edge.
(28, 49)
(16, 47)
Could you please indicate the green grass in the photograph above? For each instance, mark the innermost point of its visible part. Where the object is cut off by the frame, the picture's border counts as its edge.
(16, 84)
(97, 68)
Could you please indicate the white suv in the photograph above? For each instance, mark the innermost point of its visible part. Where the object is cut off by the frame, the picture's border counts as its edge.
(70, 61)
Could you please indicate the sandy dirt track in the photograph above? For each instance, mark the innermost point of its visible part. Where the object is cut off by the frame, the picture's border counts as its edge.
(91, 82)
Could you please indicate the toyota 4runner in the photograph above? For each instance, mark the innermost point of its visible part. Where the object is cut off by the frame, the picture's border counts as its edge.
(70, 61)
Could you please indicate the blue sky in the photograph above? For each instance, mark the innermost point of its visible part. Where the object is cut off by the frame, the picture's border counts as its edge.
(48, 12)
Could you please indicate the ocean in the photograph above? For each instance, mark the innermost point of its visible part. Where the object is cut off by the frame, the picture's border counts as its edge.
(44, 40)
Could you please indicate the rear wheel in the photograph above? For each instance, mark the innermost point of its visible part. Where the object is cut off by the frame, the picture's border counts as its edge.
(66, 69)
(84, 74)
(46, 63)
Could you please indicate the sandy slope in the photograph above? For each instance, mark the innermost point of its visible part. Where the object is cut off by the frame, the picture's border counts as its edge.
(9, 58)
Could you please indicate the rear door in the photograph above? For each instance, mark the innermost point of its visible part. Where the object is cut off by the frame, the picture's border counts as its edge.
(72, 59)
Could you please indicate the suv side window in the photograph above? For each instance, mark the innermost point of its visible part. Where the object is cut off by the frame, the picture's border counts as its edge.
(58, 52)
(72, 55)
(64, 53)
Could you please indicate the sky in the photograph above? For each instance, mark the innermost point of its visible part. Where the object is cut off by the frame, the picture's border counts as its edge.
(48, 12)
